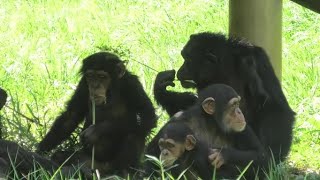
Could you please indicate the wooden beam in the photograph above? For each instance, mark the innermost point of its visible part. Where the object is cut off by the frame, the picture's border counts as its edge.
(313, 5)
(259, 21)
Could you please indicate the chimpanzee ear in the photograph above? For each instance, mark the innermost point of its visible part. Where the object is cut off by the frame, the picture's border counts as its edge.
(209, 105)
(121, 68)
(190, 142)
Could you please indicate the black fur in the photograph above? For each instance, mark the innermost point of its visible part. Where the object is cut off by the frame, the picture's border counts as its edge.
(194, 162)
(16, 161)
(122, 124)
(211, 58)
(238, 149)
(3, 98)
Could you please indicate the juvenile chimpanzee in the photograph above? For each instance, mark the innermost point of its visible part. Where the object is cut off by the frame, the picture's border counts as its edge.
(211, 58)
(124, 114)
(179, 150)
(217, 120)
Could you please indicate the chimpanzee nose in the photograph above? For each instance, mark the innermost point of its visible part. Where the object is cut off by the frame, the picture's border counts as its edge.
(165, 152)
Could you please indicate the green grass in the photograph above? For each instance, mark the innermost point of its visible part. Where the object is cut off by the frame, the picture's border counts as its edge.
(42, 44)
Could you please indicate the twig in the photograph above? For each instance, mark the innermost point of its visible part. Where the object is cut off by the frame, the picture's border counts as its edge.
(24, 116)
(93, 123)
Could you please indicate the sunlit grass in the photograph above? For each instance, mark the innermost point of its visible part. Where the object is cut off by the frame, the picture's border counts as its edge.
(43, 42)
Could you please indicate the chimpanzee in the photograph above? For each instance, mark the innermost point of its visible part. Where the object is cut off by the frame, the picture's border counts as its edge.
(216, 119)
(211, 58)
(124, 114)
(23, 161)
(177, 145)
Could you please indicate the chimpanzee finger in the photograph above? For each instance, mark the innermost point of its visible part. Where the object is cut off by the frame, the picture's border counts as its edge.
(168, 83)
(168, 75)
(214, 150)
(219, 163)
(213, 156)
(216, 162)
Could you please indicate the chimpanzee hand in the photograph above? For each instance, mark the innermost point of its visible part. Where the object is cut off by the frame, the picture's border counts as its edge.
(90, 135)
(216, 158)
(164, 79)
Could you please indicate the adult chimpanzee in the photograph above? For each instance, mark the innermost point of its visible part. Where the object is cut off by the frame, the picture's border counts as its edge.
(124, 114)
(216, 120)
(212, 58)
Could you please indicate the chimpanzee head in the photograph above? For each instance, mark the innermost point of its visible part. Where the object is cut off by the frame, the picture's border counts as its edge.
(221, 103)
(176, 139)
(100, 71)
(211, 58)
(203, 61)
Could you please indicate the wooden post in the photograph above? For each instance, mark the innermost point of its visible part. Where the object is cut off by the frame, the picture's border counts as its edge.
(259, 21)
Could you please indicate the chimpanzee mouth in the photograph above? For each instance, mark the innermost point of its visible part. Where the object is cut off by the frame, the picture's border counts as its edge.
(99, 100)
(188, 84)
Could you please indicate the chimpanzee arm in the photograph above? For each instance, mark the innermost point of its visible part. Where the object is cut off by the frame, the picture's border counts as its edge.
(247, 148)
(25, 160)
(201, 163)
(67, 122)
(171, 101)
(139, 102)
(152, 147)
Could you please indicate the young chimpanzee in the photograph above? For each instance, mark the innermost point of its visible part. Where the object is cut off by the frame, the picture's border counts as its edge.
(124, 114)
(180, 150)
(217, 120)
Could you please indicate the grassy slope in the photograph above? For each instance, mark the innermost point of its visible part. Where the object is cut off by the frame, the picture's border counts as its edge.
(43, 42)
(301, 62)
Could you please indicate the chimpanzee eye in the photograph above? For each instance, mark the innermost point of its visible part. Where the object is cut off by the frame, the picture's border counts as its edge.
(170, 145)
(89, 75)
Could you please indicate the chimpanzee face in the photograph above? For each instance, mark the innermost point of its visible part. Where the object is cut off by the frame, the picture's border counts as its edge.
(222, 103)
(233, 118)
(99, 70)
(200, 67)
(98, 84)
(172, 150)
